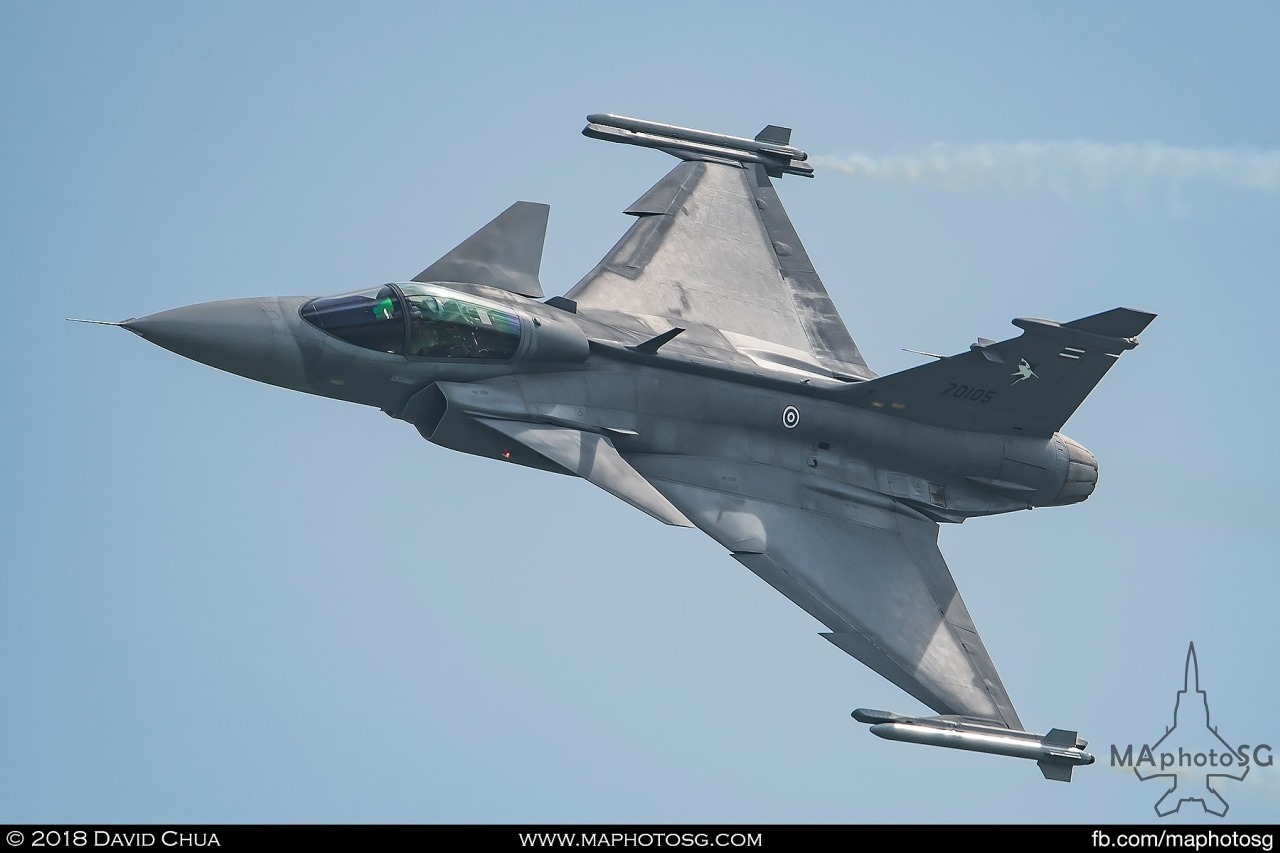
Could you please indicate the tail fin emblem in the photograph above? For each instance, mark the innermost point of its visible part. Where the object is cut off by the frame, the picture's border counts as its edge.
(1026, 370)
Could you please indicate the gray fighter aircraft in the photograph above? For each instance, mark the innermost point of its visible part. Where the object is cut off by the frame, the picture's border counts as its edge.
(702, 374)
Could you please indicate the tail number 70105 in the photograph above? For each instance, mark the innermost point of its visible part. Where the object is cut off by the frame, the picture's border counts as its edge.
(968, 392)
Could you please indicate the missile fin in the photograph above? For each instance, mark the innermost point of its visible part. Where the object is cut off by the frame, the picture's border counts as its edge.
(1055, 771)
(1060, 737)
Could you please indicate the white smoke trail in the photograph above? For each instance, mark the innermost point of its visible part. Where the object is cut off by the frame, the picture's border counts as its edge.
(1072, 168)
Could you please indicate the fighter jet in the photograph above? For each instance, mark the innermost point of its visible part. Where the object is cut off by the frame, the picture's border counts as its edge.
(702, 374)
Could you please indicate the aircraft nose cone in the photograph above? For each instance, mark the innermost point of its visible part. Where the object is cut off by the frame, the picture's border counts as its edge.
(241, 336)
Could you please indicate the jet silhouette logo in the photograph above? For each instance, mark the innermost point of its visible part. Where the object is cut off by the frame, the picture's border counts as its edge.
(1026, 370)
(1191, 756)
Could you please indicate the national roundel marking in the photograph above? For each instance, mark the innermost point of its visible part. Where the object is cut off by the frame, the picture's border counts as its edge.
(790, 417)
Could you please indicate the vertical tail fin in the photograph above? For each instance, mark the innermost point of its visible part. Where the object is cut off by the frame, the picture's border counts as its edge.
(1028, 385)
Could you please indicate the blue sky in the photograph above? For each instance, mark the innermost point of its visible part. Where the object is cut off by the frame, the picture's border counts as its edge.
(222, 601)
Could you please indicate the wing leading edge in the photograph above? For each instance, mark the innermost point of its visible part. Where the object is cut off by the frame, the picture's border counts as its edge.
(873, 576)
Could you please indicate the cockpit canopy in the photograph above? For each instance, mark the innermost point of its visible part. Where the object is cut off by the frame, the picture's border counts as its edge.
(422, 320)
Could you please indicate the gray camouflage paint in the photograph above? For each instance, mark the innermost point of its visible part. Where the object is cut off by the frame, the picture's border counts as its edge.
(702, 374)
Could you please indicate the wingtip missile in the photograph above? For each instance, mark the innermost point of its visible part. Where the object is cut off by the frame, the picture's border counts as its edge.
(687, 143)
(764, 143)
(1056, 753)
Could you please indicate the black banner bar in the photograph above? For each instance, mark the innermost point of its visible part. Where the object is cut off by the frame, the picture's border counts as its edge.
(1179, 837)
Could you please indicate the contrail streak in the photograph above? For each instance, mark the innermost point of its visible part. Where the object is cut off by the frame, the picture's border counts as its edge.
(1072, 168)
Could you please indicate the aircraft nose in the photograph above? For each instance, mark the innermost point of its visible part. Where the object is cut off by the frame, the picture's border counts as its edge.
(248, 337)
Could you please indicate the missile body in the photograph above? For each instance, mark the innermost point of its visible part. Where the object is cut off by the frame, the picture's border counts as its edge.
(674, 131)
(1057, 752)
(770, 149)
